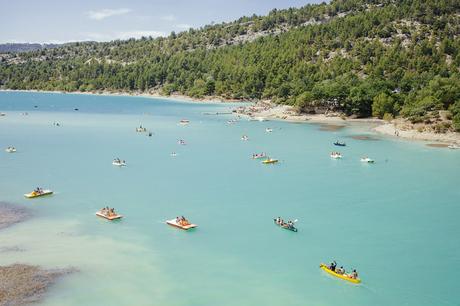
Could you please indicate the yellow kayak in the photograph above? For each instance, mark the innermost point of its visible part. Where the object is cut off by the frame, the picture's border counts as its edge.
(270, 161)
(35, 194)
(342, 276)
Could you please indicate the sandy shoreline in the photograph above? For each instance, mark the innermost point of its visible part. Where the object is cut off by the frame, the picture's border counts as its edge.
(401, 129)
(265, 110)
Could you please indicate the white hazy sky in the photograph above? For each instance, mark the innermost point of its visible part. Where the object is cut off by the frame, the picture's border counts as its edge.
(56, 21)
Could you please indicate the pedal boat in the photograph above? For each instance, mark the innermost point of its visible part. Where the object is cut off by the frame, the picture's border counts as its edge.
(173, 222)
(112, 217)
(270, 161)
(10, 150)
(35, 194)
(367, 160)
(259, 156)
(119, 164)
(341, 276)
(336, 156)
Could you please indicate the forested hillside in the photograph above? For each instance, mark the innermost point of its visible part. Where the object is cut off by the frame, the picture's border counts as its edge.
(380, 57)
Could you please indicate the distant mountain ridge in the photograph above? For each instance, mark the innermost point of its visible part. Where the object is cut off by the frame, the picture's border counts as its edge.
(25, 47)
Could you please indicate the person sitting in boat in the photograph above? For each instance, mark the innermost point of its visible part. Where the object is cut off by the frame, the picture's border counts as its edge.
(178, 220)
(184, 221)
(340, 270)
(278, 220)
(333, 266)
(354, 274)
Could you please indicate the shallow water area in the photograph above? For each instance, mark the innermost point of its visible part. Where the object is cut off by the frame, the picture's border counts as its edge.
(395, 221)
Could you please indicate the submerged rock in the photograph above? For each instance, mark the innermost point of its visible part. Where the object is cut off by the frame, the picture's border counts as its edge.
(23, 284)
(11, 214)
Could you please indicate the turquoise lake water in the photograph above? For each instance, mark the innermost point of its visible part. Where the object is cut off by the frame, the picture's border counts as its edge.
(396, 221)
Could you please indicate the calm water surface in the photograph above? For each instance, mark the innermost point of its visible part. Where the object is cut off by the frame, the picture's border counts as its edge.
(396, 221)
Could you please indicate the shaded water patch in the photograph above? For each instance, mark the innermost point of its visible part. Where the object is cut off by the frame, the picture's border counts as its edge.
(24, 284)
(364, 137)
(11, 249)
(437, 145)
(331, 127)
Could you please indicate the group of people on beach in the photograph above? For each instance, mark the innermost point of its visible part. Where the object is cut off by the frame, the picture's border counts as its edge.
(182, 221)
(280, 222)
(341, 270)
(109, 212)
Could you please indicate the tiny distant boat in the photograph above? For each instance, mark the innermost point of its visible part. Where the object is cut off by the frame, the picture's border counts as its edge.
(2, 114)
(182, 224)
(268, 130)
(181, 142)
(119, 163)
(367, 160)
(10, 150)
(184, 122)
(108, 214)
(38, 193)
(453, 146)
(173, 154)
(261, 119)
(141, 129)
(232, 121)
(258, 155)
(340, 144)
(270, 161)
(341, 276)
(244, 138)
(336, 155)
(288, 226)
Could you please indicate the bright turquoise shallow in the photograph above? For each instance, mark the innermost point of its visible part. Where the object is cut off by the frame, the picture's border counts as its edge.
(395, 221)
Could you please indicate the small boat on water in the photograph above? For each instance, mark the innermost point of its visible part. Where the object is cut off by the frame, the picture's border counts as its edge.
(286, 225)
(141, 129)
(181, 142)
(258, 155)
(10, 150)
(181, 223)
(453, 146)
(39, 192)
(2, 114)
(244, 138)
(184, 122)
(336, 155)
(270, 161)
(268, 130)
(340, 144)
(367, 160)
(173, 154)
(344, 276)
(108, 213)
(261, 119)
(119, 162)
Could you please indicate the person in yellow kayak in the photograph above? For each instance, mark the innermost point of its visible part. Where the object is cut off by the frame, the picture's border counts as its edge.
(333, 266)
(354, 274)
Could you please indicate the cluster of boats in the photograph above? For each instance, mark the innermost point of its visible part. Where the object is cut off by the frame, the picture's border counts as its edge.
(10, 150)
(338, 155)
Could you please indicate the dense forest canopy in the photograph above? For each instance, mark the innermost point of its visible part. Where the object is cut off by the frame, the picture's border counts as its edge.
(362, 57)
